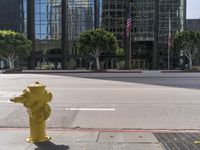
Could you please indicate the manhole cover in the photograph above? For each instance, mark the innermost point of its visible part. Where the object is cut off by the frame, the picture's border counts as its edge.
(179, 141)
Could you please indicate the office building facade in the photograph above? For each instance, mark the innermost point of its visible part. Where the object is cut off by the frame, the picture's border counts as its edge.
(150, 28)
(193, 25)
(58, 24)
(55, 25)
(12, 15)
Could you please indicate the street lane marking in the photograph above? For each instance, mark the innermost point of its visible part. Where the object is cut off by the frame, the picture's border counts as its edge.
(91, 109)
(7, 94)
(5, 102)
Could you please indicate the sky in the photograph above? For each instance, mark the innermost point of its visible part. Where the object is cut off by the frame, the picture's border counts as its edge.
(193, 9)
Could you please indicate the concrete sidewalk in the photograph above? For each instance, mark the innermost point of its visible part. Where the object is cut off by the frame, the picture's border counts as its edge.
(91, 139)
(14, 139)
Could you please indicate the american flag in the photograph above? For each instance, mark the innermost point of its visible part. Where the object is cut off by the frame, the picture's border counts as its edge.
(169, 39)
(128, 25)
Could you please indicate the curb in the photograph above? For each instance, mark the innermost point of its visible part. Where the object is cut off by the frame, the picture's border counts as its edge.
(115, 130)
(70, 71)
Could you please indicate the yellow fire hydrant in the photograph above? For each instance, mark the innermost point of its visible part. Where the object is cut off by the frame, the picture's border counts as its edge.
(35, 98)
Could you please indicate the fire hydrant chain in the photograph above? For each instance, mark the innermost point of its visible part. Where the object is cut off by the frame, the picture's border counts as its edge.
(35, 98)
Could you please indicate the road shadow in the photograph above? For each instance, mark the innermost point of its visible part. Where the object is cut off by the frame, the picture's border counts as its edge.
(177, 80)
(188, 82)
(48, 145)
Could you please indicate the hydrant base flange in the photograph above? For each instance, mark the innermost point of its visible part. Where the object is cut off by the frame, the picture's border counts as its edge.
(30, 140)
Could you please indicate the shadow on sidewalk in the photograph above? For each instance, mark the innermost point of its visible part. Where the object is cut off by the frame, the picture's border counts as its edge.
(50, 146)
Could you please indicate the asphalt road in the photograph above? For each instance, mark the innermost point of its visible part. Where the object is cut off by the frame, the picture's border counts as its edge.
(149, 100)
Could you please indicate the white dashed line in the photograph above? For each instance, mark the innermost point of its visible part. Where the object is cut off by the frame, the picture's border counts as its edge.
(91, 109)
(5, 102)
(7, 94)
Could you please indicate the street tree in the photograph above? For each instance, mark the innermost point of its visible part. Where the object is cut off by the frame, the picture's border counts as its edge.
(13, 45)
(188, 43)
(97, 41)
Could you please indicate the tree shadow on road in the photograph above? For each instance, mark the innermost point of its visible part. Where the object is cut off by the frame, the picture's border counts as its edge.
(48, 145)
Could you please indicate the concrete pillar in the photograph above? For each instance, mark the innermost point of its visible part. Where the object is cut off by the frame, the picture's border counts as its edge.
(64, 41)
(31, 30)
(156, 31)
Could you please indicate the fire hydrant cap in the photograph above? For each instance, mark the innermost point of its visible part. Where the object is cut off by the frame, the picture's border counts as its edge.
(36, 84)
(37, 87)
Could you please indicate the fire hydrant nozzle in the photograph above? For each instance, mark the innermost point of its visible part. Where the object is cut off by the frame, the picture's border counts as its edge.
(35, 98)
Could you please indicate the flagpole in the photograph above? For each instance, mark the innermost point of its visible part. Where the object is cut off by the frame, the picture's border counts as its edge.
(169, 38)
(130, 63)
(130, 43)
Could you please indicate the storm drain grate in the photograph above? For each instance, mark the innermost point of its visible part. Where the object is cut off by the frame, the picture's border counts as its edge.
(179, 141)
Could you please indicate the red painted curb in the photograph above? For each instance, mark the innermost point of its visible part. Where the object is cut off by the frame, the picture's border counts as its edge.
(117, 130)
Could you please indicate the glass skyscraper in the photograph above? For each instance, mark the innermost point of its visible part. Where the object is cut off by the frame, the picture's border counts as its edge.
(55, 25)
(150, 19)
(12, 15)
